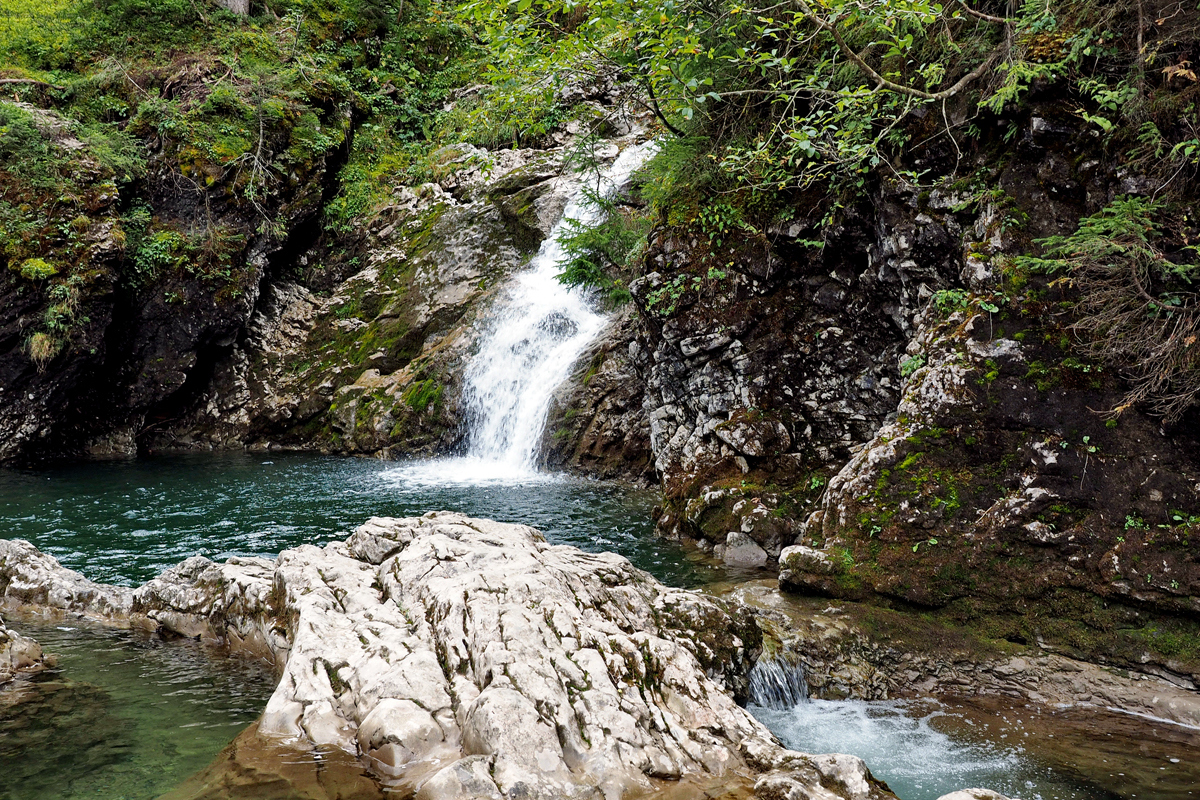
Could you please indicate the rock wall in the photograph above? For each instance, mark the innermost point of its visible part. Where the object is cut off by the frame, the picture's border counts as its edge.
(991, 498)
(762, 376)
(309, 338)
(597, 423)
(913, 418)
(466, 658)
(374, 364)
(135, 343)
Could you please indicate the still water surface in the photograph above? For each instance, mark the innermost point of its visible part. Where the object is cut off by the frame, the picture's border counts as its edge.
(124, 522)
(123, 714)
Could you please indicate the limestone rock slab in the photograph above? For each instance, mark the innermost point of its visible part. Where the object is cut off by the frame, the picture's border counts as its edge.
(466, 658)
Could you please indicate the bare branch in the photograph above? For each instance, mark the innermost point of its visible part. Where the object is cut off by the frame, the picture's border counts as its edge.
(29, 82)
(981, 15)
(658, 112)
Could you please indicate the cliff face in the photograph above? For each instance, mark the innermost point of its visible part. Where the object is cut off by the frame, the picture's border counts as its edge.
(373, 365)
(909, 418)
(307, 338)
(228, 231)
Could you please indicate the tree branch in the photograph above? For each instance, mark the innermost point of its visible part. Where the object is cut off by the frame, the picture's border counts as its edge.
(981, 15)
(658, 112)
(883, 82)
(29, 82)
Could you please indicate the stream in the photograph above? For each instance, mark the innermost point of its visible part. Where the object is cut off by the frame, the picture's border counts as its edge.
(924, 749)
(123, 714)
(123, 522)
(126, 521)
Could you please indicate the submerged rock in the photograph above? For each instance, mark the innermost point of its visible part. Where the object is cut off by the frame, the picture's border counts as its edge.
(463, 657)
(17, 654)
(253, 767)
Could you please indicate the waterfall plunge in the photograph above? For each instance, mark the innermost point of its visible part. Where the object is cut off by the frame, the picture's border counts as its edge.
(533, 336)
(777, 684)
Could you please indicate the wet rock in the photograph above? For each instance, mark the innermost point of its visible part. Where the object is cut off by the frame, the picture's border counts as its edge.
(740, 550)
(256, 767)
(819, 778)
(17, 654)
(799, 559)
(596, 424)
(854, 651)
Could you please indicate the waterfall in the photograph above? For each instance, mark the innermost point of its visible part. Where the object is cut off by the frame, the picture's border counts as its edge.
(777, 684)
(533, 335)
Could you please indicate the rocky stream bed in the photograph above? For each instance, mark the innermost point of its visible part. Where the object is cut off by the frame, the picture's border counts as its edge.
(466, 658)
(459, 657)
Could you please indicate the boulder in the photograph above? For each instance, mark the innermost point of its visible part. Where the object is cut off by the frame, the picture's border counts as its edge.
(17, 654)
(29, 577)
(462, 657)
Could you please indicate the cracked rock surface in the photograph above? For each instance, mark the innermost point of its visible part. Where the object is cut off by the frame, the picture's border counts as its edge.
(465, 658)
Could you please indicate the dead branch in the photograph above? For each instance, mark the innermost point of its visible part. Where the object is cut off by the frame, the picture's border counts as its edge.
(29, 82)
(1155, 344)
(981, 15)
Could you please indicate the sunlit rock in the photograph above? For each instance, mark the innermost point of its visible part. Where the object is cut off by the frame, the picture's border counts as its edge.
(461, 657)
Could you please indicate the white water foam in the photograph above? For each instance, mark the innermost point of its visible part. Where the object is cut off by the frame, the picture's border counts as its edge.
(777, 684)
(907, 750)
(535, 334)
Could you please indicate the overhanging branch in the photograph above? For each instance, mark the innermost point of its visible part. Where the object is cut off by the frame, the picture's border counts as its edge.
(981, 15)
(892, 86)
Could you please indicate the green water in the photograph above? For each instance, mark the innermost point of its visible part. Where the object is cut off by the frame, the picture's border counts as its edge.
(124, 522)
(127, 715)
(123, 714)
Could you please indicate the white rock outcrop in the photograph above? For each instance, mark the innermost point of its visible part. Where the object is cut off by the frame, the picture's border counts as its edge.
(465, 658)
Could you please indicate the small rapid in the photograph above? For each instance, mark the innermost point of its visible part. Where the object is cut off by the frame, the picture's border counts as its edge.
(535, 334)
(924, 749)
(777, 684)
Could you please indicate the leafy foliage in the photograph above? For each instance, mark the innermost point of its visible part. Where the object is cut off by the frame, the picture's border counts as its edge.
(1137, 308)
(125, 102)
(601, 257)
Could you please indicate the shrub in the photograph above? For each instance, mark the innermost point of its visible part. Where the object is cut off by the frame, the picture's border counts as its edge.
(1136, 310)
(116, 149)
(602, 256)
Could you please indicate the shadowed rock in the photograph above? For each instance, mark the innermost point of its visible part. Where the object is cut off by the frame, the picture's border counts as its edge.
(17, 654)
